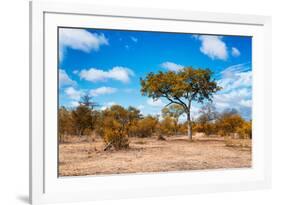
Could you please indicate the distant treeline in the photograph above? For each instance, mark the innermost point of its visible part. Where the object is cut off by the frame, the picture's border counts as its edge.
(117, 124)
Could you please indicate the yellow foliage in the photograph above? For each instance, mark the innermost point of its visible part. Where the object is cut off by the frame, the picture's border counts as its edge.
(229, 124)
(114, 128)
(245, 131)
(144, 127)
(208, 128)
(167, 126)
(116, 138)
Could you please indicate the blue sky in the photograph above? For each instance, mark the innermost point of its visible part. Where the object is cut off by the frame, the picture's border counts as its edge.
(108, 65)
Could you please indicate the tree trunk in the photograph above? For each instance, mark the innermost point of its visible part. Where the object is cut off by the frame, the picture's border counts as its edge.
(189, 126)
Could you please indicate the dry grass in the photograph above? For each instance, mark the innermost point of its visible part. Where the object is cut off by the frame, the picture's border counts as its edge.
(244, 144)
(81, 157)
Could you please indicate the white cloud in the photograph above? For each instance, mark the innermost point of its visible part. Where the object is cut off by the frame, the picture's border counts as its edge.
(73, 93)
(238, 68)
(134, 39)
(240, 99)
(235, 52)
(222, 105)
(236, 76)
(194, 112)
(155, 103)
(140, 107)
(111, 103)
(246, 103)
(80, 39)
(64, 79)
(74, 103)
(213, 46)
(108, 105)
(233, 96)
(102, 91)
(171, 66)
(119, 73)
(236, 83)
(182, 118)
(75, 72)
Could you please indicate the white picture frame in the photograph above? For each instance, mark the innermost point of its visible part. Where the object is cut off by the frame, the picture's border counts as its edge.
(46, 187)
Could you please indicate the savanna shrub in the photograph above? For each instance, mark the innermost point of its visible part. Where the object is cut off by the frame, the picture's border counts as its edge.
(116, 139)
(65, 124)
(167, 126)
(245, 131)
(207, 128)
(229, 124)
(145, 127)
(115, 126)
(182, 128)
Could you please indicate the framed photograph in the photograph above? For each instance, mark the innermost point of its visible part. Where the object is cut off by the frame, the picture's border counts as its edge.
(129, 102)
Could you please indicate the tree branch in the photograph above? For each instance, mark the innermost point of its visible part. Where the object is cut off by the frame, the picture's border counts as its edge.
(181, 103)
(171, 100)
(185, 106)
(168, 104)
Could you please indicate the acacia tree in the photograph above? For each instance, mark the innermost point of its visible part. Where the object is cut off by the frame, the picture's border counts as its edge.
(181, 88)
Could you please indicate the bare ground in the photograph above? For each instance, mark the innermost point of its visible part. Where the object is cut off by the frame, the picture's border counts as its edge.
(152, 155)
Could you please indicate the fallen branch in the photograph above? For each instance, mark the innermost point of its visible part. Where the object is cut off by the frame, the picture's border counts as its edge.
(108, 146)
(160, 137)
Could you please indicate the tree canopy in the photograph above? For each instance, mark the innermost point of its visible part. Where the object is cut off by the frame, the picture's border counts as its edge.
(181, 88)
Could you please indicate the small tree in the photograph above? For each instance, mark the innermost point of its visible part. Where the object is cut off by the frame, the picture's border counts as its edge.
(82, 119)
(206, 120)
(87, 101)
(181, 88)
(115, 126)
(208, 112)
(134, 116)
(65, 123)
(174, 111)
(83, 115)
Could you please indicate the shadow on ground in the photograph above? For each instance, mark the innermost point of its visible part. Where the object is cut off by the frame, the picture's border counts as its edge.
(24, 199)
